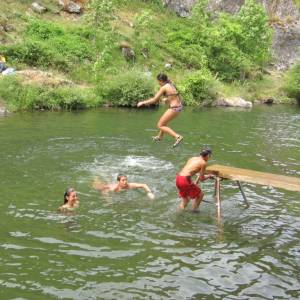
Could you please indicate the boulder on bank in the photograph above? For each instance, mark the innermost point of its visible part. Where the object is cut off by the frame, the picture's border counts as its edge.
(127, 51)
(71, 7)
(38, 8)
(233, 102)
(3, 109)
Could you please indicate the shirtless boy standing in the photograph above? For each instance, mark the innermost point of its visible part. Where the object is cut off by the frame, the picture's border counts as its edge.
(186, 187)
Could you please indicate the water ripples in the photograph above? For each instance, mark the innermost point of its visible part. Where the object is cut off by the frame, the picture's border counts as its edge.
(126, 246)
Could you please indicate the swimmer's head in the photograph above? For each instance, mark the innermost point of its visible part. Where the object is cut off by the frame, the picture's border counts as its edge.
(70, 194)
(162, 78)
(122, 179)
(206, 153)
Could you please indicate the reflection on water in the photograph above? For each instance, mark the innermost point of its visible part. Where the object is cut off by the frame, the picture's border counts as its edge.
(127, 246)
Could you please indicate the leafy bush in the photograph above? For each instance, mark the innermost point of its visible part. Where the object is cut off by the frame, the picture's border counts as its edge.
(43, 30)
(126, 89)
(292, 83)
(256, 35)
(198, 88)
(31, 97)
(47, 45)
(230, 46)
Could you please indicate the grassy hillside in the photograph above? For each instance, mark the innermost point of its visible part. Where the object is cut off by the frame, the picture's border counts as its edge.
(209, 58)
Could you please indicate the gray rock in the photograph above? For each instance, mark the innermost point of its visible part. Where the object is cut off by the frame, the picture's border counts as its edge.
(70, 6)
(233, 102)
(181, 7)
(128, 53)
(267, 100)
(3, 111)
(38, 8)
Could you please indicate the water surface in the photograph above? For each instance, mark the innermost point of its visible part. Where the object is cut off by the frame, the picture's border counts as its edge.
(127, 246)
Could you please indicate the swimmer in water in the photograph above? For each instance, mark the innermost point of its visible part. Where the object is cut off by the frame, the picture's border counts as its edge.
(70, 201)
(187, 189)
(122, 184)
(167, 89)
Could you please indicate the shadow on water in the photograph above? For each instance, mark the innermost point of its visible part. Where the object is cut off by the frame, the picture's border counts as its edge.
(128, 246)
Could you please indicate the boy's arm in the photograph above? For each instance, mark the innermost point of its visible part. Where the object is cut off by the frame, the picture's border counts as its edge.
(143, 186)
(202, 176)
(100, 186)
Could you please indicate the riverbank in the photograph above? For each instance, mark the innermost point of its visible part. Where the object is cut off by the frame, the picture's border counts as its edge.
(115, 62)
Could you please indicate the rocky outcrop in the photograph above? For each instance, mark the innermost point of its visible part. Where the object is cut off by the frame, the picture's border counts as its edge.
(38, 8)
(233, 102)
(127, 51)
(283, 16)
(181, 7)
(71, 6)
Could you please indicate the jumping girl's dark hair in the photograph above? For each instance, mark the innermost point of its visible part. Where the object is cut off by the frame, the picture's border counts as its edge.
(67, 194)
(120, 176)
(205, 152)
(162, 77)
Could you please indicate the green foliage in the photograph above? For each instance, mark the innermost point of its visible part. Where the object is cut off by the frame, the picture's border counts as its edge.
(198, 87)
(182, 45)
(230, 46)
(42, 30)
(225, 57)
(32, 97)
(142, 41)
(100, 13)
(255, 32)
(292, 82)
(49, 45)
(127, 88)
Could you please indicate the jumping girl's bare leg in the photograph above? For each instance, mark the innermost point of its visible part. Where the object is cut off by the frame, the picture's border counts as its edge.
(159, 136)
(164, 120)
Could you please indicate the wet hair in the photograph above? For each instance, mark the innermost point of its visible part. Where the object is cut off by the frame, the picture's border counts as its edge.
(162, 77)
(67, 194)
(120, 176)
(206, 151)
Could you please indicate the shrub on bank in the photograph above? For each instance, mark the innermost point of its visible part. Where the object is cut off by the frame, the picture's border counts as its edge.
(198, 88)
(49, 45)
(20, 97)
(126, 89)
(292, 83)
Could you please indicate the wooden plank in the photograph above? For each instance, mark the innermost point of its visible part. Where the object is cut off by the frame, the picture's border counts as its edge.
(250, 176)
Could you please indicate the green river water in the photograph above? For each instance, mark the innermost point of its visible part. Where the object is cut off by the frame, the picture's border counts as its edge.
(126, 246)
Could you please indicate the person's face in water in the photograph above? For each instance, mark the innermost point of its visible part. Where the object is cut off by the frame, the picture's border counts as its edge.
(72, 198)
(123, 182)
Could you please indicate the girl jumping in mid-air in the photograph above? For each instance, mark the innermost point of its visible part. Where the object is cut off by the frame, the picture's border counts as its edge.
(167, 89)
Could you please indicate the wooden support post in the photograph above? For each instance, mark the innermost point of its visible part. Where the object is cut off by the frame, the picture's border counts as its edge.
(243, 194)
(218, 199)
(215, 192)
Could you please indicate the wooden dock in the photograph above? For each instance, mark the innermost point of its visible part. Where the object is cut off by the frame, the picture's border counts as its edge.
(249, 176)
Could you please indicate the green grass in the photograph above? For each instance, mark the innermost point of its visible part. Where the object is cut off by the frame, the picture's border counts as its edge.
(67, 45)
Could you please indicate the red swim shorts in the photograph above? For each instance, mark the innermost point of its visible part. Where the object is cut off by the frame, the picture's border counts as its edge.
(187, 188)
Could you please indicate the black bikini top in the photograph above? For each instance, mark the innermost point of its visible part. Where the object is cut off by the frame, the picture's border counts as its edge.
(171, 83)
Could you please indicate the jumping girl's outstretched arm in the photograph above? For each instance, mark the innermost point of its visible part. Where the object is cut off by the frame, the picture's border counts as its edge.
(154, 99)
